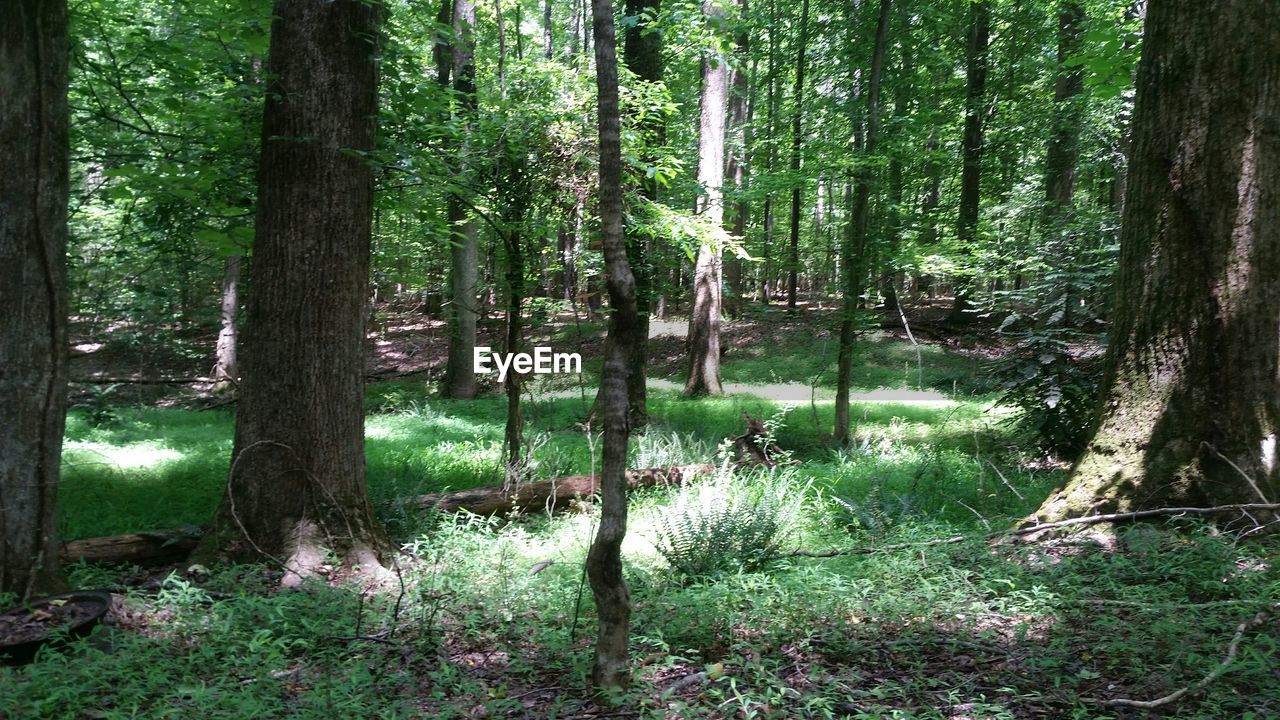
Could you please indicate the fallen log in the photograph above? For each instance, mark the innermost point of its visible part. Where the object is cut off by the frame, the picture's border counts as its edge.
(156, 547)
(550, 494)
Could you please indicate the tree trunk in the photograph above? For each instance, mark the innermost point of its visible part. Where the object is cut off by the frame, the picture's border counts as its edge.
(548, 49)
(971, 174)
(855, 245)
(1063, 153)
(739, 131)
(611, 668)
(1191, 408)
(296, 486)
(642, 52)
(33, 248)
(770, 153)
(797, 139)
(704, 317)
(459, 375)
(225, 371)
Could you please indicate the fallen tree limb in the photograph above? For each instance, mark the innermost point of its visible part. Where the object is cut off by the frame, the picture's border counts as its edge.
(1042, 527)
(158, 547)
(147, 548)
(1232, 648)
(550, 494)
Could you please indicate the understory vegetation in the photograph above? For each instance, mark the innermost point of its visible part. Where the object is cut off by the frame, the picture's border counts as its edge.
(488, 617)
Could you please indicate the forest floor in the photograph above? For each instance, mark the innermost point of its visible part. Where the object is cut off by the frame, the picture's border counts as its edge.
(492, 620)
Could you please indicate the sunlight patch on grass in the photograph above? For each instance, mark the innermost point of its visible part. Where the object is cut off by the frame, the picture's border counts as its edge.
(134, 456)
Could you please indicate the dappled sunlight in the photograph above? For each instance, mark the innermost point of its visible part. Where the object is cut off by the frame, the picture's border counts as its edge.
(133, 456)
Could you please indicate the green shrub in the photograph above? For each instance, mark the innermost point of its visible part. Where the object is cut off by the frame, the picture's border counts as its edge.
(731, 522)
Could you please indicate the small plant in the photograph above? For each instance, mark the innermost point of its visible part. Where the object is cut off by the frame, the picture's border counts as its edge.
(732, 522)
(100, 405)
(1054, 390)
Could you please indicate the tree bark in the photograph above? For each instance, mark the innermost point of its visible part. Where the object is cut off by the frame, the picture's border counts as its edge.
(642, 53)
(548, 49)
(797, 139)
(770, 153)
(739, 131)
(296, 486)
(225, 372)
(704, 317)
(33, 335)
(611, 668)
(971, 173)
(1191, 407)
(855, 245)
(1063, 152)
(459, 377)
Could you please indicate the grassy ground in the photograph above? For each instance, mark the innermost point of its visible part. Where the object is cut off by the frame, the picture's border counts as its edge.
(963, 630)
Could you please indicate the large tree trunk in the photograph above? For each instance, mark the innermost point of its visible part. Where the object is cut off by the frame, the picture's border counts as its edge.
(854, 249)
(225, 372)
(604, 562)
(971, 172)
(459, 375)
(33, 335)
(1191, 410)
(1063, 153)
(797, 139)
(704, 317)
(296, 486)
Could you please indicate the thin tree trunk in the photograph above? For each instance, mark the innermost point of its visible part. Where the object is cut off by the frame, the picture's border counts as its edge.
(1063, 151)
(771, 117)
(296, 486)
(797, 139)
(548, 49)
(704, 317)
(1191, 408)
(33, 248)
(971, 174)
(459, 377)
(855, 245)
(225, 371)
(502, 49)
(642, 52)
(738, 130)
(611, 668)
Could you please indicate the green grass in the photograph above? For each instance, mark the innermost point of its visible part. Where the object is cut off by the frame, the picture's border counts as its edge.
(938, 631)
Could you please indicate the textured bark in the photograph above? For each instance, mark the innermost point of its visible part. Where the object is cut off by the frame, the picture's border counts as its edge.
(459, 375)
(33, 333)
(148, 548)
(854, 249)
(548, 49)
(225, 371)
(704, 318)
(971, 172)
(797, 138)
(604, 561)
(1191, 408)
(296, 486)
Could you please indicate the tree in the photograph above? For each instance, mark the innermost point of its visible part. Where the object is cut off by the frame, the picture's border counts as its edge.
(704, 318)
(642, 52)
(971, 175)
(1063, 152)
(296, 485)
(1191, 408)
(604, 561)
(33, 337)
(739, 129)
(459, 376)
(797, 139)
(854, 251)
